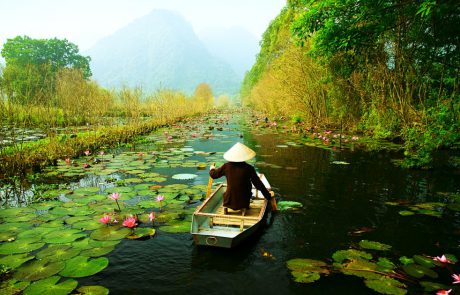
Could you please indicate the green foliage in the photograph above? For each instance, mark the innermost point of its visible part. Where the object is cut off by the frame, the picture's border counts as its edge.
(32, 66)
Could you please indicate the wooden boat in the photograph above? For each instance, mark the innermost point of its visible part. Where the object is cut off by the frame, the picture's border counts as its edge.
(212, 227)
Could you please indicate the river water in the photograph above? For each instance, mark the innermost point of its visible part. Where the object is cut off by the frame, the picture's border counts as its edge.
(342, 205)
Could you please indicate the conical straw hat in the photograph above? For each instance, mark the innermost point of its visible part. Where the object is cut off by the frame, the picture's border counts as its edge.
(239, 153)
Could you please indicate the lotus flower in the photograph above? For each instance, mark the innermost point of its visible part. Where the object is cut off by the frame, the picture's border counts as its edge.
(443, 259)
(130, 222)
(456, 279)
(443, 292)
(67, 161)
(105, 219)
(160, 199)
(87, 153)
(86, 165)
(101, 153)
(170, 137)
(152, 216)
(116, 196)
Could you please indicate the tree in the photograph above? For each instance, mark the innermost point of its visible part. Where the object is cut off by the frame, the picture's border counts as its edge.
(33, 64)
(203, 95)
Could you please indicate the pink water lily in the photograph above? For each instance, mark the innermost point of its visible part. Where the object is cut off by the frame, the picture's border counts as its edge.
(101, 153)
(86, 165)
(105, 219)
(456, 279)
(67, 161)
(443, 292)
(87, 153)
(130, 222)
(116, 196)
(152, 216)
(160, 199)
(443, 259)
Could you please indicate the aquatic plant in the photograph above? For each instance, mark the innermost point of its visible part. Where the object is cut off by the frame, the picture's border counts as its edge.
(116, 196)
(105, 219)
(379, 273)
(160, 199)
(130, 222)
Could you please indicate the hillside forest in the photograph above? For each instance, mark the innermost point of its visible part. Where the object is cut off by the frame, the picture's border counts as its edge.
(388, 69)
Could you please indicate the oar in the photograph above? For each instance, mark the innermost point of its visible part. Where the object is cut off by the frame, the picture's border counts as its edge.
(208, 192)
(273, 201)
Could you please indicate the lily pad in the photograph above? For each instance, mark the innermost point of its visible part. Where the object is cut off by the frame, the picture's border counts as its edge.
(14, 261)
(20, 246)
(14, 227)
(93, 290)
(424, 261)
(418, 271)
(38, 270)
(430, 286)
(177, 227)
(81, 266)
(184, 176)
(142, 232)
(406, 260)
(58, 253)
(63, 236)
(51, 286)
(110, 233)
(406, 213)
(360, 268)
(365, 244)
(386, 285)
(97, 251)
(350, 254)
(307, 270)
(12, 287)
(289, 205)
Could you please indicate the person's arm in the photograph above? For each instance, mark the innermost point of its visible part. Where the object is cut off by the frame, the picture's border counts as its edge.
(259, 185)
(217, 173)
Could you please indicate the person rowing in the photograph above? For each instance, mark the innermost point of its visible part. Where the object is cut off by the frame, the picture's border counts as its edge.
(240, 178)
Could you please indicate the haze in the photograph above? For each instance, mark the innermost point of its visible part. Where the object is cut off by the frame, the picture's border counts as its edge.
(84, 22)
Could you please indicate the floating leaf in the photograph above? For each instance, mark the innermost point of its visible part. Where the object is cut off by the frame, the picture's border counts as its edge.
(110, 233)
(14, 227)
(418, 271)
(360, 268)
(424, 261)
(289, 205)
(14, 261)
(81, 266)
(430, 286)
(63, 236)
(93, 290)
(50, 286)
(341, 255)
(12, 287)
(184, 176)
(385, 265)
(406, 213)
(406, 260)
(97, 251)
(38, 270)
(374, 245)
(386, 285)
(58, 253)
(307, 270)
(20, 246)
(177, 227)
(142, 232)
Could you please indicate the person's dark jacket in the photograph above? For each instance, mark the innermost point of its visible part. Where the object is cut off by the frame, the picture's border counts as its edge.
(240, 177)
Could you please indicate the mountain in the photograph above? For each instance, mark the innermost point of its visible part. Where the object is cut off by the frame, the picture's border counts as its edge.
(159, 50)
(234, 45)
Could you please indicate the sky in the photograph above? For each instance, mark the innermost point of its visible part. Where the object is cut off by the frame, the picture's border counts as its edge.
(84, 22)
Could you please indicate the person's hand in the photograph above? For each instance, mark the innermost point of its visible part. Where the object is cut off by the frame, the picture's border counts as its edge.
(272, 193)
(212, 167)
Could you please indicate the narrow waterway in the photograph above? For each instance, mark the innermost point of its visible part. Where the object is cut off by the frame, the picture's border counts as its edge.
(347, 196)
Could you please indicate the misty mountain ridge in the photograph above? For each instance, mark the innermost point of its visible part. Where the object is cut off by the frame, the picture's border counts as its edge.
(235, 45)
(159, 50)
